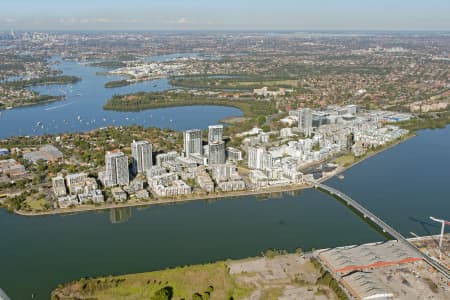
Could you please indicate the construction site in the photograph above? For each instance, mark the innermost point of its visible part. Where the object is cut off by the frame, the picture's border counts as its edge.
(389, 270)
(430, 246)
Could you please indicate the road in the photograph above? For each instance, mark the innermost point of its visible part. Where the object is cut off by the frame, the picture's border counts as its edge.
(385, 227)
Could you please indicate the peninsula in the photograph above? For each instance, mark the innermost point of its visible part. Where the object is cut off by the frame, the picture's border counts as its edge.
(92, 171)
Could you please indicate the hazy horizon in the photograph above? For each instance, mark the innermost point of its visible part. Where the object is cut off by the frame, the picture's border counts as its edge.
(233, 15)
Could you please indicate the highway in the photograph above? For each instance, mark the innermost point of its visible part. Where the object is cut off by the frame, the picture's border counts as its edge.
(385, 227)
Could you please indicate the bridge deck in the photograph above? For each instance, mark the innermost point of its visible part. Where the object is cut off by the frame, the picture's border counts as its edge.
(385, 227)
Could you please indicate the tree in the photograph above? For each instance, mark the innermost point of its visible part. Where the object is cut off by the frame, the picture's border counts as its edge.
(261, 120)
(166, 293)
(197, 296)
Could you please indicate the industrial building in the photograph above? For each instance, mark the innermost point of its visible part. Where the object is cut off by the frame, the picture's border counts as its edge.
(362, 269)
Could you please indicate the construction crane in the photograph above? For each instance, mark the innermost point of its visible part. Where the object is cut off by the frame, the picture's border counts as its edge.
(443, 222)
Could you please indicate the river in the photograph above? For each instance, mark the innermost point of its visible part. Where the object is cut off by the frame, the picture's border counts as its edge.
(82, 110)
(403, 185)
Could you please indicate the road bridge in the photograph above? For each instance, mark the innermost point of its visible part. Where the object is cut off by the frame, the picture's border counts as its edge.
(383, 226)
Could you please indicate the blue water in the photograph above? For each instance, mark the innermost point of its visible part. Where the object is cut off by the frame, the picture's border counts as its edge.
(38, 253)
(407, 184)
(403, 186)
(86, 99)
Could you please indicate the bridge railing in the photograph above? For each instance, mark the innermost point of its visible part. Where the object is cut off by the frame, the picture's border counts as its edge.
(385, 227)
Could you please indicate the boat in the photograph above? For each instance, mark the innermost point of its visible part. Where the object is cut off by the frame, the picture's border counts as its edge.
(341, 177)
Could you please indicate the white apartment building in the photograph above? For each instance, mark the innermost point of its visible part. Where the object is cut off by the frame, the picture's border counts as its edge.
(141, 153)
(117, 172)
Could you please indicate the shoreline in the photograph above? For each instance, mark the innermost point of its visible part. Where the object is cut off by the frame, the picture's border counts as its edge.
(396, 143)
(280, 189)
(243, 267)
(30, 104)
(63, 211)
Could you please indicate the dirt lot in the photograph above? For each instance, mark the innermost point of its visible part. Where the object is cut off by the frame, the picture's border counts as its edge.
(285, 277)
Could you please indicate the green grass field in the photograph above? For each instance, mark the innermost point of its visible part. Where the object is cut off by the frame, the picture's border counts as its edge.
(345, 160)
(184, 282)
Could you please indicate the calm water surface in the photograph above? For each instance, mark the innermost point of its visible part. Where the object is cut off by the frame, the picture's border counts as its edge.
(83, 108)
(403, 186)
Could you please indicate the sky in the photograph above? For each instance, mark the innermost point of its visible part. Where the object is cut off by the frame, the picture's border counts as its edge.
(225, 14)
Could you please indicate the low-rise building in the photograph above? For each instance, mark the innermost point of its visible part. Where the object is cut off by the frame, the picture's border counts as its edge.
(94, 196)
(223, 172)
(286, 132)
(203, 180)
(142, 194)
(258, 179)
(232, 185)
(83, 190)
(134, 186)
(119, 194)
(59, 186)
(76, 182)
(155, 171)
(67, 201)
(233, 154)
(178, 187)
(166, 157)
(12, 168)
(4, 151)
(164, 179)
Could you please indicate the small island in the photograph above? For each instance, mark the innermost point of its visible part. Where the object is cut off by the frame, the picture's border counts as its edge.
(117, 83)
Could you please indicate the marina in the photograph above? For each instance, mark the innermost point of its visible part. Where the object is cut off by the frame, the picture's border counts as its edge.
(84, 101)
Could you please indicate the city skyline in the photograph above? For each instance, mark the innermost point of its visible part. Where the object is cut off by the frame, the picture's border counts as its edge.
(232, 15)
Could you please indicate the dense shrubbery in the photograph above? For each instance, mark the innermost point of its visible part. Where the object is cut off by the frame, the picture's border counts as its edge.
(143, 100)
(47, 80)
(117, 83)
(427, 121)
